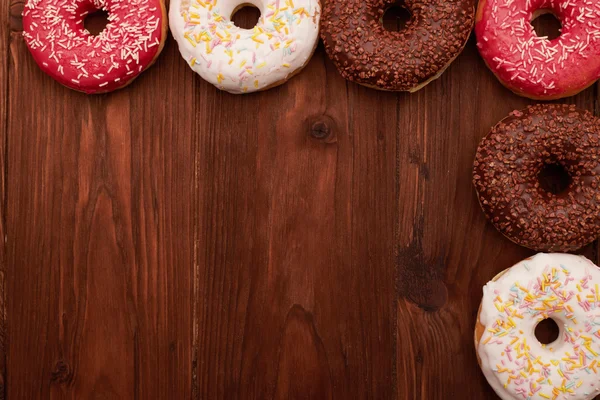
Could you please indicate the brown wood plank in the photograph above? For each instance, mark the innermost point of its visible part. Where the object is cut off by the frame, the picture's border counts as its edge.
(4, 60)
(447, 250)
(100, 243)
(163, 220)
(296, 264)
(370, 340)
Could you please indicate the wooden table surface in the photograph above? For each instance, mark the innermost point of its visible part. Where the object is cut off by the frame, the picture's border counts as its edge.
(320, 240)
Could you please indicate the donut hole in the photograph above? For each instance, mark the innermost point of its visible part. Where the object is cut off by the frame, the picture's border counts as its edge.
(245, 16)
(546, 24)
(95, 22)
(554, 178)
(396, 17)
(547, 331)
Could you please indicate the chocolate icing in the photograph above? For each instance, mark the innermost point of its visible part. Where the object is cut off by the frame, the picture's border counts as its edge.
(366, 53)
(506, 177)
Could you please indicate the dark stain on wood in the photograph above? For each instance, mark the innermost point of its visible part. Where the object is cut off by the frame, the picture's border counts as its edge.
(421, 279)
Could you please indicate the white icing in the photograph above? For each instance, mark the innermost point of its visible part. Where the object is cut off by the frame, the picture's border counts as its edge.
(245, 60)
(568, 368)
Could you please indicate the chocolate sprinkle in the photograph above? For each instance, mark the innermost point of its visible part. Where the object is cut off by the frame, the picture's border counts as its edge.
(364, 52)
(506, 176)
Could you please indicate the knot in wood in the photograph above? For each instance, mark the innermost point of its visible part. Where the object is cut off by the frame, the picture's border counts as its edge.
(61, 372)
(320, 130)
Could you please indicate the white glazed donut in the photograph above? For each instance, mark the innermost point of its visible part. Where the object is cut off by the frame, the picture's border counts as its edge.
(562, 287)
(245, 60)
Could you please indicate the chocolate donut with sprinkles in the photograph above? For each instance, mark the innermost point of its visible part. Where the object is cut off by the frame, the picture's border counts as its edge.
(241, 60)
(65, 50)
(560, 287)
(533, 66)
(537, 176)
(366, 53)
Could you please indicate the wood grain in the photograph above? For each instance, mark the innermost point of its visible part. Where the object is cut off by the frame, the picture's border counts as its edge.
(4, 41)
(319, 240)
(446, 249)
(100, 237)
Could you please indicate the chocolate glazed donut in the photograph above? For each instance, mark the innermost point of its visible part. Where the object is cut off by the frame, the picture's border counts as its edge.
(366, 53)
(537, 175)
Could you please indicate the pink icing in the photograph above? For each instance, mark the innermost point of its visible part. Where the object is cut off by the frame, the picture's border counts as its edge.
(59, 43)
(535, 66)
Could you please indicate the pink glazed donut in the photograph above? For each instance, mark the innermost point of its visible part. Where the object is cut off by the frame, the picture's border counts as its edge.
(65, 50)
(533, 66)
